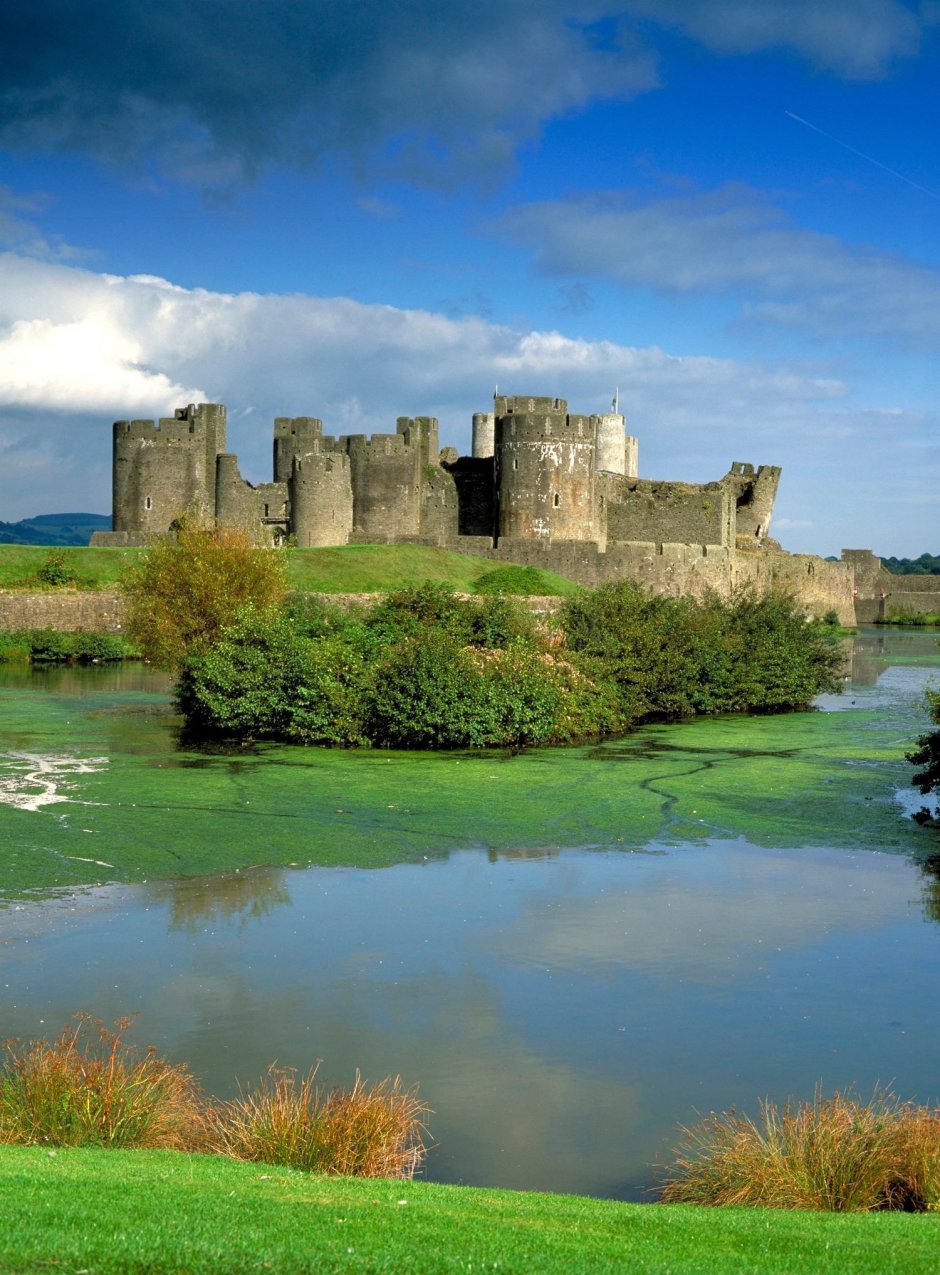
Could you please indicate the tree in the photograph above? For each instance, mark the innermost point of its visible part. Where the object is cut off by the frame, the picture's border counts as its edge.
(188, 586)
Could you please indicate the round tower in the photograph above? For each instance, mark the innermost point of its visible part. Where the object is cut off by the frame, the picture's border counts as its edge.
(484, 434)
(321, 499)
(545, 464)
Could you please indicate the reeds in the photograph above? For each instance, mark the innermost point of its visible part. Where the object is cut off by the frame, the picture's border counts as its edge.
(837, 1154)
(372, 1131)
(88, 1088)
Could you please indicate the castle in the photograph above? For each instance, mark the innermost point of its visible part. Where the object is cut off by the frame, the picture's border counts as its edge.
(538, 473)
(543, 487)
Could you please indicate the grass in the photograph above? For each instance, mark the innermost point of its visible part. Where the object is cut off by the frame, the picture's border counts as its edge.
(367, 1131)
(912, 619)
(149, 1211)
(348, 569)
(88, 1088)
(838, 1154)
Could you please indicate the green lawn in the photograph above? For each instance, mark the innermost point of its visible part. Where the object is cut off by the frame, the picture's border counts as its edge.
(350, 569)
(161, 1211)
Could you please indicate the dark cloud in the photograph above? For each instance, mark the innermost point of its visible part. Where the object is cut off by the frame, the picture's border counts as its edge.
(219, 88)
(214, 90)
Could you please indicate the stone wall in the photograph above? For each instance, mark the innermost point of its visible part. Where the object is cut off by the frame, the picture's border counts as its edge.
(69, 610)
(879, 594)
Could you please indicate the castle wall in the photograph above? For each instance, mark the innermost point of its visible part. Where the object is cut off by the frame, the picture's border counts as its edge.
(475, 489)
(545, 468)
(643, 510)
(384, 470)
(879, 594)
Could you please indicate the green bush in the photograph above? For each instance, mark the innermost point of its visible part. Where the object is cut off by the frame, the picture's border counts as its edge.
(245, 681)
(53, 646)
(423, 608)
(927, 754)
(55, 569)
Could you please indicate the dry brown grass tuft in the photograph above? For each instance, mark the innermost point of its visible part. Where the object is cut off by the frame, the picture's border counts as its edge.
(372, 1131)
(87, 1088)
(838, 1154)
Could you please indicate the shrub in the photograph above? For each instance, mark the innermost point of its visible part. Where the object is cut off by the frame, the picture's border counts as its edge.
(498, 621)
(55, 569)
(87, 1088)
(426, 693)
(421, 609)
(185, 588)
(836, 1154)
(368, 1131)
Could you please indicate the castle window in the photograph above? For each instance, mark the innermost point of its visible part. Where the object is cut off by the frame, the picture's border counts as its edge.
(515, 463)
(266, 508)
(148, 503)
(557, 501)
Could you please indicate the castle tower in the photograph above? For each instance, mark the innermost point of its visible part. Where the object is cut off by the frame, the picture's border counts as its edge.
(484, 435)
(754, 498)
(545, 468)
(321, 499)
(617, 451)
(165, 469)
(294, 436)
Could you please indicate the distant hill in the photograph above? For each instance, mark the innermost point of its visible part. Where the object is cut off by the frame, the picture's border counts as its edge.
(53, 529)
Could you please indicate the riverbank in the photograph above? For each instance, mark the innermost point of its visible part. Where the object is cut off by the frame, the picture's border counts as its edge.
(120, 1211)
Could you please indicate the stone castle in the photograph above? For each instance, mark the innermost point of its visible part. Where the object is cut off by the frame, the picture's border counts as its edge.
(543, 487)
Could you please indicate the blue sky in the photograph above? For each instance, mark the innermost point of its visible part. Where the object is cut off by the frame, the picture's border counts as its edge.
(729, 210)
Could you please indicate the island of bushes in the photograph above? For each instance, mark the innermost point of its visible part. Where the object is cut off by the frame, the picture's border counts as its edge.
(428, 668)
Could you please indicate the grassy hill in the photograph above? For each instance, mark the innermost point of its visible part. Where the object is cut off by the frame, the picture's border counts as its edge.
(350, 569)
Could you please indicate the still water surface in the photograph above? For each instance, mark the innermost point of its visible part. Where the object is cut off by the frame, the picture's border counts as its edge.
(590, 946)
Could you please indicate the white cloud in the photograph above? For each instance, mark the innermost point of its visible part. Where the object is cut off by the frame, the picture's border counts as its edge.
(735, 241)
(79, 350)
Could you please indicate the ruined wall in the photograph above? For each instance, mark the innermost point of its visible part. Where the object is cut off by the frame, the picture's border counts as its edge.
(643, 510)
(754, 494)
(545, 471)
(236, 501)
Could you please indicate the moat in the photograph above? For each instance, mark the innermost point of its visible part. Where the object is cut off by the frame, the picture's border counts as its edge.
(572, 951)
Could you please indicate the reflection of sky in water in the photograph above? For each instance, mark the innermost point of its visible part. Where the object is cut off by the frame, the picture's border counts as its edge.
(562, 1014)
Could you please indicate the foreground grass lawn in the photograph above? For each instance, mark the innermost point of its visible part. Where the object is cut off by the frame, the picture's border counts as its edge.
(349, 569)
(142, 1211)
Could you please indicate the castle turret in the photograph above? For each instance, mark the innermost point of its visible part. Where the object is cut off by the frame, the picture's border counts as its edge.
(294, 436)
(545, 461)
(754, 498)
(484, 435)
(321, 499)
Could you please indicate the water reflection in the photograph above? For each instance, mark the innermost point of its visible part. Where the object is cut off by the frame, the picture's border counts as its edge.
(226, 899)
(562, 1014)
